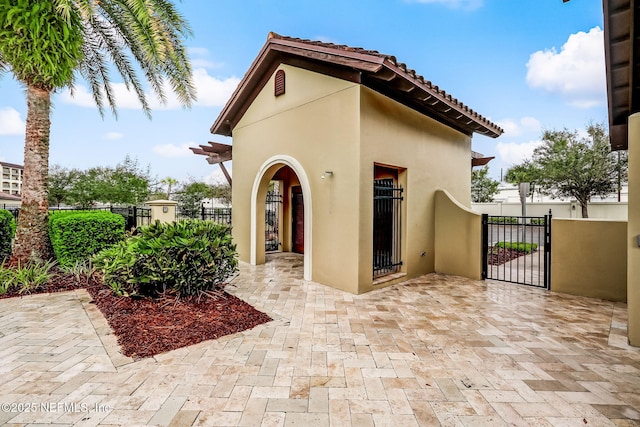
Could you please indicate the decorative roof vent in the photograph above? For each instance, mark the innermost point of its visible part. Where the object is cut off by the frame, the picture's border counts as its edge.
(278, 88)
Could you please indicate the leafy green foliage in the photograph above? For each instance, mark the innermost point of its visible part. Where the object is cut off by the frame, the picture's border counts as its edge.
(184, 258)
(568, 165)
(81, 269)
(26, 278)
(503, 220)
(190, 198)
(483, 188)
(518, 246)
(126, 184)
(7, 231)
(41, 47)
(78, 235)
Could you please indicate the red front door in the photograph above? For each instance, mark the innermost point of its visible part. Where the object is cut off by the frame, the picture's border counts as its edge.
(297, 206)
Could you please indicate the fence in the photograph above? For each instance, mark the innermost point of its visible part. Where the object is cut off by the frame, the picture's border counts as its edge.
(221, 215)
(134, 216)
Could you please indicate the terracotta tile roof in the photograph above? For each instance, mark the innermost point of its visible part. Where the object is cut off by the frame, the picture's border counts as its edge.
(381, 72)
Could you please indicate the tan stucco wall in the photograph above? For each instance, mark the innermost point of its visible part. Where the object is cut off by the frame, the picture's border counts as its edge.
(633, 254)
(458, 238)
(434, 156)
(315, 122)
(327, 124)
(157, 207)
(589, 258)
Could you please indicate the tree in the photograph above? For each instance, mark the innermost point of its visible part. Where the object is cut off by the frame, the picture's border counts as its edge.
(571, 166)
(170, 183)
(127, 184)
(47, 44)
(520, 174)
(483, 188)
(190, 198)
(223, 193)
(59, 184)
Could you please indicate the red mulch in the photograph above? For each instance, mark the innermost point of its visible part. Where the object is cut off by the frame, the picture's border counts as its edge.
(498, 256)
(146, 327)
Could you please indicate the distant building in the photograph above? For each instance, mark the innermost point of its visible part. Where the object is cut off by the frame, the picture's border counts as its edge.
(11, 178)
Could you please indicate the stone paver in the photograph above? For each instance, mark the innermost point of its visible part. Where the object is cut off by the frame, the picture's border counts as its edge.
(437, 350)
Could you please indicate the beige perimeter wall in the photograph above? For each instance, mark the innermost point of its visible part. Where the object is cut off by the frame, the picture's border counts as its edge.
(458, 238)
(589, 258)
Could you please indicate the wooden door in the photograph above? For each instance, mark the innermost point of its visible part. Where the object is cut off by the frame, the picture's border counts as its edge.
(297, 214)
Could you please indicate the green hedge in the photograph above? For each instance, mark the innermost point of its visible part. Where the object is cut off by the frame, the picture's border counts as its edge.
(518, 246)
(77, 235)
(184, 258)
(7, 231)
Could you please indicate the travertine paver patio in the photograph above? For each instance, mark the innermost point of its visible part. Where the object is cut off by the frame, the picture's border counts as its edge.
(437, 350)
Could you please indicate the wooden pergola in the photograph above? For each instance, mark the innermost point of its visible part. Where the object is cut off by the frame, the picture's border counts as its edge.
(216, 153)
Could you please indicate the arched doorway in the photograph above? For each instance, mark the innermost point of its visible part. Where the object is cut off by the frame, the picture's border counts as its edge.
(299, 209)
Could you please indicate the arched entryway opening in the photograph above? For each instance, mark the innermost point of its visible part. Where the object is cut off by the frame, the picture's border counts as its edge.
(296, 234)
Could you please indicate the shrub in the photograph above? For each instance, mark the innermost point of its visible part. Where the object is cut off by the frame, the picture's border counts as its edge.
(518, 246)
(7, 231)
(27, 278)
(77, 235)
(184, 258)
(503, 220)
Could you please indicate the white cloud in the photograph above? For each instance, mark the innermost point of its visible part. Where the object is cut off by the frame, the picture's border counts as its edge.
(217, 176)
(455, 4)
(10, 122)
(516, 127)
(211, 91)
(113, 136)
(513, 153)
(576, 73)
(171, 150)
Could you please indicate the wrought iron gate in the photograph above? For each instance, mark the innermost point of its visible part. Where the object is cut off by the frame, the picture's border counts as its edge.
(272, 211)
(517, 249)
(387, 227)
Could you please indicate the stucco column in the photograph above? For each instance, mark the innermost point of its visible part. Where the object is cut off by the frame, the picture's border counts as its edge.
(633, 230)
(163, 210)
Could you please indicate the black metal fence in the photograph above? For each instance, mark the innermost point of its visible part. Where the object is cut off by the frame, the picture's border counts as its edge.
(134, 216)
(387, 227)
(517, 249)
(220, 215)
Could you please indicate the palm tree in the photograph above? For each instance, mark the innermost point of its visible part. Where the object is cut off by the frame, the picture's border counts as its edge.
(48, 44)
(169, 182)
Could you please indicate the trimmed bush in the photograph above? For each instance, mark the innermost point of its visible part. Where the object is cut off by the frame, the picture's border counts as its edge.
(184, 258)
(518, 246)
(7, 231)
(503, 220)
(77, 235)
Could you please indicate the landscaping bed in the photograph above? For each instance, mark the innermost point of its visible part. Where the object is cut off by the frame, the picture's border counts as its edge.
(503, 252)
(145, 327)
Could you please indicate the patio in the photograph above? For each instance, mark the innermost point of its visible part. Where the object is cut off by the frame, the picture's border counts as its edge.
(436, 350)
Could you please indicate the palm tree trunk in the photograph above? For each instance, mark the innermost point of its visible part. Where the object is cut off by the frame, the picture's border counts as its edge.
(32, 237)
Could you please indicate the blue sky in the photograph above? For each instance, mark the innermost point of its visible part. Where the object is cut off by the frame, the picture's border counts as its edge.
(527, 65)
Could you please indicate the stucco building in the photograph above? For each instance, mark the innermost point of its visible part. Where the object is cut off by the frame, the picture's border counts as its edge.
(358, 144)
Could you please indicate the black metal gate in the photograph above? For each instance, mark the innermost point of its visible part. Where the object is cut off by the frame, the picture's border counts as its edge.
(387, 227)
(517, 249)
(272, 209)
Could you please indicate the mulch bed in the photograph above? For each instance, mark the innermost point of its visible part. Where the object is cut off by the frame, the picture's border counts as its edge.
(146, 327)
(499, 256)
